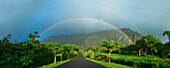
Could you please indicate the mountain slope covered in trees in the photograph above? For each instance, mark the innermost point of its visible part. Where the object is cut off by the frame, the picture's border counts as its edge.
(93, 39)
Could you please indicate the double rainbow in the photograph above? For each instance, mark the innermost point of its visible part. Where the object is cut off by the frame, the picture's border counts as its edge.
(91, 19)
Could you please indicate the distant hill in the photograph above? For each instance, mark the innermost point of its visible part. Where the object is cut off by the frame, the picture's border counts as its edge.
(93, 39)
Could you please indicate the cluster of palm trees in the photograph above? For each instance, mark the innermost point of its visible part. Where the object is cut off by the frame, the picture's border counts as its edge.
(66, 49)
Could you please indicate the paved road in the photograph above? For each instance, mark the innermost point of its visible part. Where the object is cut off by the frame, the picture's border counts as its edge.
(80, 62)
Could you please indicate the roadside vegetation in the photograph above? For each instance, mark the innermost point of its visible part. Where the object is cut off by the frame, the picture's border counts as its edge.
(32, 53)
(52, 65)
(148, 52)
(109, 65)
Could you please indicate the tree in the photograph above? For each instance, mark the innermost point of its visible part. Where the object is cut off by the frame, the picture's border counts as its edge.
(167, 33)
(94, 50)
(75, 47)
(28, 54)
(165, 50)
(67, 49)
(147, 43)
(71, 52)
(103, 49)
(118, 44)
(60, 50)
(156, 46)
(109, 45)
(34, 38)
(139, 44)
(53, 48)
(89, 53)
(5, 39)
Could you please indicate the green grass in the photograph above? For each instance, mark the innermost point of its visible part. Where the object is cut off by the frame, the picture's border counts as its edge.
(140, 61)
(109, 65)
(52, 65)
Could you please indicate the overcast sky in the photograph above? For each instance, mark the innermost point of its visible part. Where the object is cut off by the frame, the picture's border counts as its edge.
(22, 17)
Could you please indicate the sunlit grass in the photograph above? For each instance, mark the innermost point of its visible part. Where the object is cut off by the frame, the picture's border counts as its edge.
(52, 65)
(109, 65)
(139, 58)
(140, 61)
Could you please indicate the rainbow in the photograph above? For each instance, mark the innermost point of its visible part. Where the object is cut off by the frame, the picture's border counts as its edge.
(120, 16)
(100, 21)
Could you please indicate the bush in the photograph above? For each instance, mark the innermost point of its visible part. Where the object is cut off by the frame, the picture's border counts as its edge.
(101, 57)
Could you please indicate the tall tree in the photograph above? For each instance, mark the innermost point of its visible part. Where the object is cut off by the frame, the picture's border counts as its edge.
(166, 50)
(167, 33)
(53, 48)
(60, 50)
(147, 43)
(67, 48)
(109, 45)
(140, 45)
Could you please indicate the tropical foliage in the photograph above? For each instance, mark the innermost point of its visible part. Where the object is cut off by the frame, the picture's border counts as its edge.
(32, 53)
(147, 52)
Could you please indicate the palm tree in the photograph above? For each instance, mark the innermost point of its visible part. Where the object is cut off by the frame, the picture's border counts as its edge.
(102, 49)
(60, 50)
(55, 56)
(53, 48)
(167, 33)
(109, 45)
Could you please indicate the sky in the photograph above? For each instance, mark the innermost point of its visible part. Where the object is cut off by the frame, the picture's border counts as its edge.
(22, 17)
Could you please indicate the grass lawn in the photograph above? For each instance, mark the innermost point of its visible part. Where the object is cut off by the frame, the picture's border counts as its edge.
(109, 65)
(52, 65)
(148, 61)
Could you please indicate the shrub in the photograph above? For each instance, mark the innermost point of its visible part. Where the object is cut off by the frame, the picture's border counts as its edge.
(101, 57)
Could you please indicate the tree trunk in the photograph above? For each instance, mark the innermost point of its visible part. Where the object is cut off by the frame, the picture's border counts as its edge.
(61, 57)
(55, 59)
(93, 53)
(140, 52)
(68, 57)
(145, 51)
(169, 39)
(109, 57)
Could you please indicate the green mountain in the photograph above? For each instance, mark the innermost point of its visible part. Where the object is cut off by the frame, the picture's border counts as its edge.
(93, 39)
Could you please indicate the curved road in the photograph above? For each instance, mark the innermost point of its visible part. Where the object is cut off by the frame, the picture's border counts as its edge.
(80, 62)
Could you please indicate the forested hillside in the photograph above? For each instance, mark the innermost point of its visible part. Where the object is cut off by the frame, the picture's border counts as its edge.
(93, 39)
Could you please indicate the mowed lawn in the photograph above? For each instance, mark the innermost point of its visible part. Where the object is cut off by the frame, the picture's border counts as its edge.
(52, 65)
(140, 61)
(109, 65)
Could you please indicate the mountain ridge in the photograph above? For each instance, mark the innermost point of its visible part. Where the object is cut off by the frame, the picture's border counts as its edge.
(84, 40)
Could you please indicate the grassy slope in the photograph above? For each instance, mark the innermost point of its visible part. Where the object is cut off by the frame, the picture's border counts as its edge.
(52, 65)
(109, 65)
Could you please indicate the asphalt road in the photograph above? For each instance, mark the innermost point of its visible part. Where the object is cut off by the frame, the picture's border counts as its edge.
(80, 62)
